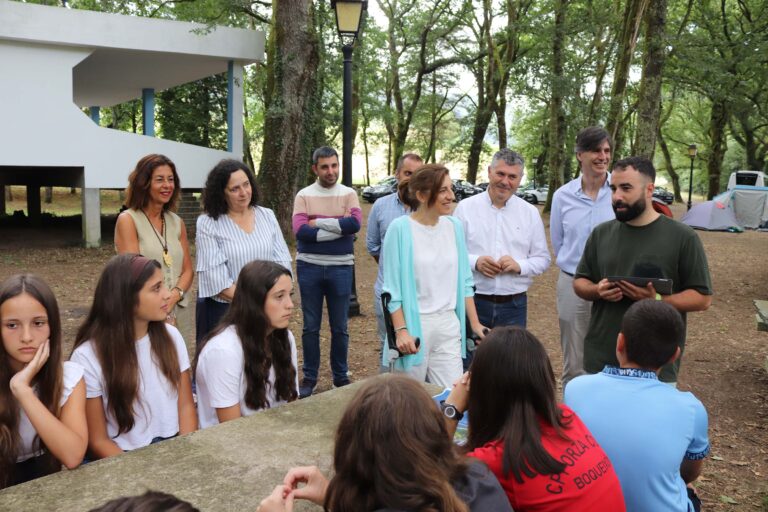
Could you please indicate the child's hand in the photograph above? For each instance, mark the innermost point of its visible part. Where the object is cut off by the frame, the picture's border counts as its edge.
(23, 379)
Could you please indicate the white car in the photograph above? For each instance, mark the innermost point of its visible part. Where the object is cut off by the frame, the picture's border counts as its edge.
(536, 195)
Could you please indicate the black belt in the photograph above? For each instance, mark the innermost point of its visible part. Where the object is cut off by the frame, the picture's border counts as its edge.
(566, 273)
(499, 299)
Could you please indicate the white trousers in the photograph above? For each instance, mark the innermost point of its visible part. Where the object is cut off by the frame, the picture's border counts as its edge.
(441, 346)
(573, 313)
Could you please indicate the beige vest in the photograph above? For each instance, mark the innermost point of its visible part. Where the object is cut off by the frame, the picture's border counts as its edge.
(151, 247)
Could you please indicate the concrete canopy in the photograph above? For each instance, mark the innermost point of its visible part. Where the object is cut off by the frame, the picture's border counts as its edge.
(130, 53)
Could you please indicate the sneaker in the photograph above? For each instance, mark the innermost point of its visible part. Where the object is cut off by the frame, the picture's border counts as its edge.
(341, 382)
(306, 388)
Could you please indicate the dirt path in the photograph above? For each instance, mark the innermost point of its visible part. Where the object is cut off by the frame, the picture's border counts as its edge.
(723, 364)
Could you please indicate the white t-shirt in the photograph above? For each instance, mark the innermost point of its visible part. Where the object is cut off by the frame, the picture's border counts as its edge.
(73, 373)
(435, 265)
(155, 410)
(221, 377)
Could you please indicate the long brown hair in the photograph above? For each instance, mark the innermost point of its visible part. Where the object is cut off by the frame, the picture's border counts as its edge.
(48, 380)
(512, 389)
(393, 451)
(110, 328)
(261, 351)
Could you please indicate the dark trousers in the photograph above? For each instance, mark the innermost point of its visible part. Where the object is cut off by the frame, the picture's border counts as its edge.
(332, 283)
(208, 314)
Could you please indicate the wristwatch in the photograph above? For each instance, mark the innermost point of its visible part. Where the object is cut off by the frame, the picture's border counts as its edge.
(181, 292)
(450, 411)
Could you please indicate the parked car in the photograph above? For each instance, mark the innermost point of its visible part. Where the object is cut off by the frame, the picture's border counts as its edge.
(464, 189)
(536, 195)
(664, 195)
(383, 188)
(483, 186)
(521, 191)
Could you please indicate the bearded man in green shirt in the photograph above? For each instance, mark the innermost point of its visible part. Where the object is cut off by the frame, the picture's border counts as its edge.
(640, 243)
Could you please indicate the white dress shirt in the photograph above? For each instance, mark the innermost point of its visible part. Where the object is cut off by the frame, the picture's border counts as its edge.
(515, 230)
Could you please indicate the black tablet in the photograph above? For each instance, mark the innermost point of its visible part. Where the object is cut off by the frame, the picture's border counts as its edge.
(662, 286)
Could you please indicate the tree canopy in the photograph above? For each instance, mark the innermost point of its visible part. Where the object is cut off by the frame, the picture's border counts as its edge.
(455, 80)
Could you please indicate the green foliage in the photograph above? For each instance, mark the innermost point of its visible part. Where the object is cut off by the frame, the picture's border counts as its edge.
(195, 113)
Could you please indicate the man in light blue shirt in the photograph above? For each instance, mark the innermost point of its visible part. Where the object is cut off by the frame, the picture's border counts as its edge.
(654, 435)
(577, 207)
(384, 211)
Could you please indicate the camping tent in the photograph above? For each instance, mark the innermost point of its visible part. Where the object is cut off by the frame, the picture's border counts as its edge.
(750, 204)
(743, 207)
(712, 215)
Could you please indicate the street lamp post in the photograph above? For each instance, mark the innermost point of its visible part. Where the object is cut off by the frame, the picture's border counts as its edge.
(349, 16)
(692, 155)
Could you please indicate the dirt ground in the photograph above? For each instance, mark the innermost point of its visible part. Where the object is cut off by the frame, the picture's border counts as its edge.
(723, 364)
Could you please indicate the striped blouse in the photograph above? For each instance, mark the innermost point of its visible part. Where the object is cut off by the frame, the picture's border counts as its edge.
(223, 248)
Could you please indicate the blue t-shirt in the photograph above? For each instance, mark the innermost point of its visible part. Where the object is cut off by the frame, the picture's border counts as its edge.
(647, 428)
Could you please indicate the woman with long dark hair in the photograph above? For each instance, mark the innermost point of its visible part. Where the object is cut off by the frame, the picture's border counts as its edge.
(136, 365)
(234, 230)
(42, 400)
(249, 362)
(392, 452)
(427, 274)
(541, 452)
(150, 227)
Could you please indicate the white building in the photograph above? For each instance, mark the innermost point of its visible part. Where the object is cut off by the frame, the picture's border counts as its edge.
(56, 61)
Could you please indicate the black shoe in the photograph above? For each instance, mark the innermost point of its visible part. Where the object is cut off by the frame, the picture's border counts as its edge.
(306, 388)
(341, 382)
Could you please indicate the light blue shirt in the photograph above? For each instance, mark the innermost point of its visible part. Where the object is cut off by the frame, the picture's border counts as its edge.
(384, 211)
(573, 217)
(647, 428)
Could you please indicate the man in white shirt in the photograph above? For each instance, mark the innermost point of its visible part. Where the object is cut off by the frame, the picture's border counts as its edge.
(506, 243)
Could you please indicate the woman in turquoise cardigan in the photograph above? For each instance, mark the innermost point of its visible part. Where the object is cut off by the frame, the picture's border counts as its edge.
(427, 274)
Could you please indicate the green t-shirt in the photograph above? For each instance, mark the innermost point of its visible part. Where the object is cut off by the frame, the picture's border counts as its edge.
(664, 248)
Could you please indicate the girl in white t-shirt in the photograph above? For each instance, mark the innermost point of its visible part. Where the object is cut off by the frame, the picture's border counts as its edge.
(249, 361)
(42, 401)
(136, 365)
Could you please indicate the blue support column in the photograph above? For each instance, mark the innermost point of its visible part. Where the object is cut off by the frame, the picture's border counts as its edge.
(95, 114)
(230, 102)
(148, 111)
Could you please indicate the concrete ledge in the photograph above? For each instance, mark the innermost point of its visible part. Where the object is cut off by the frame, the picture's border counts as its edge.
(229, 467)
(232, 466)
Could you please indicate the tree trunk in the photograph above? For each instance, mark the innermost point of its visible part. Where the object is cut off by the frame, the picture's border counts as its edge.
(556, 114)
(670, 168)
(482, 120)
(292, 106)
(718, 121)
(48, 198)
(649, 101)
(633, 15)
(501, 119)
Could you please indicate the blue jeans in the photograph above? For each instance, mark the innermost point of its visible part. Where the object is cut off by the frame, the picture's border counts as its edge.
(334, 284)
(490, 314)
(514, 312)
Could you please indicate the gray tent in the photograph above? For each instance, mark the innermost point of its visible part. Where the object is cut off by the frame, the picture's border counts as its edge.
(712, 215)
(750, 205)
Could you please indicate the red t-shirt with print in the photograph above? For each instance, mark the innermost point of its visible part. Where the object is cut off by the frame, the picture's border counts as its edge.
(588, 482)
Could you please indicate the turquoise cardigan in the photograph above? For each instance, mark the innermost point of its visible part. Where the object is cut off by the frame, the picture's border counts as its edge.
(400, 283)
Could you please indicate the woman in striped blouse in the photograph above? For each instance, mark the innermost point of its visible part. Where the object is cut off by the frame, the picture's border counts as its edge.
(232, 232)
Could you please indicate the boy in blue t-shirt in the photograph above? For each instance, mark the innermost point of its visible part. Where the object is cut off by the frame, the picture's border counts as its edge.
(655, 436)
